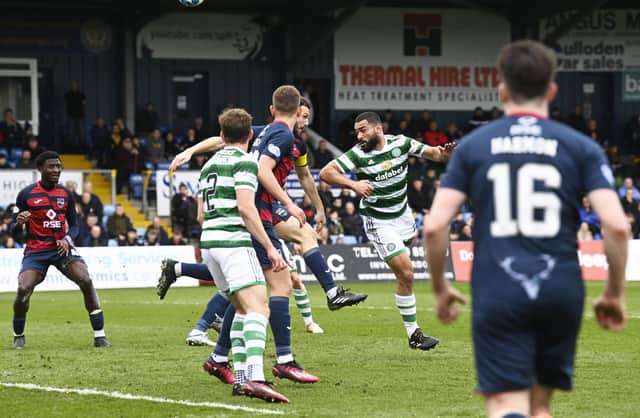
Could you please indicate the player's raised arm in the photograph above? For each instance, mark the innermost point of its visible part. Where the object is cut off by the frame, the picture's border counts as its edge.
(309, 186)
(609, 307)
(210, 144)
(333, 174)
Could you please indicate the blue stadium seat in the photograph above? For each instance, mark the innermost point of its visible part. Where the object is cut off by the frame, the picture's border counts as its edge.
(105, 218)
(350, 240)
(149, 165)
(15, 154)
(141, 231)
(108, 210)
(4, 151)
(143, 141)
(112, 243)
(163, 165)
(135, 185)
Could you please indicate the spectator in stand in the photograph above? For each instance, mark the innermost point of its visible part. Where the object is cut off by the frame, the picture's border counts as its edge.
(309, 210)
(146, 120)
(95, 204)
(123, 127)
(7, 241)
(113, 143)
(84, 230)
(352, 222)
(453, 133)
(584, 233)
(156, 224)
(184, 212)
(97, 238)
(456, 225)
(434, 137)
(589, 216)
(200, 131)
(100, 138)
(347, 196)
(198, 161)
(385, 127)
(431, 192)
(155, 146)
(171, 146)
(634, 227)
(75, 102)
(496, 113)
(129, 160)
(11, 131)
(478, 119)
(430, 177)
(131, 239)
(411, 123)
(151, 238)
(594, 132)
(387, 117)
(404, 129)
(72, 186)
(325, 194)
(338, 206)
(322, 156)
(178, 238)
(465, 234)
(82, 218)
(33, 145)
(189, 139)
(26, 161)
(4, 163)
(417, 195)
(577, 121)
(630, 204)
(422, 124)
(118, 224)
(627, 184)
(334, 224)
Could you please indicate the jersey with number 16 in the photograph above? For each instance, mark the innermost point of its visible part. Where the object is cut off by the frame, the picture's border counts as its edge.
(230, 169)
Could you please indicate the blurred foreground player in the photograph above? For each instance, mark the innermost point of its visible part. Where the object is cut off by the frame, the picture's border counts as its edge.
(525, 175)
(47, 211)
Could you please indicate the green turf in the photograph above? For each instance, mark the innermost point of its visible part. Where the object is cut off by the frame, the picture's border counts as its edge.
(365, 366)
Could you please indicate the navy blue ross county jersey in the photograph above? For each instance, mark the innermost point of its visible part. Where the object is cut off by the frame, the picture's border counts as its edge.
(525, 177)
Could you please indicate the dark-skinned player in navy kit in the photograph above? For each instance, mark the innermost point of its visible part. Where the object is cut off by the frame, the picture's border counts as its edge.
(47, 211)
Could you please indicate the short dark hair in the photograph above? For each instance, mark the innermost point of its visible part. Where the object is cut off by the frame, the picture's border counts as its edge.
(371, 117)
(47, 155)
(235, 124)
(286, 99)
(527, 68)
(304, 102)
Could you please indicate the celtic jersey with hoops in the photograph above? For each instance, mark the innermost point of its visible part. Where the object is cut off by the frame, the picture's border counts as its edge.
(386, 170)
(228, 170)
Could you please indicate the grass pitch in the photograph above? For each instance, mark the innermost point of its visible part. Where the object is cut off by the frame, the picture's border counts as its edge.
(365, 366)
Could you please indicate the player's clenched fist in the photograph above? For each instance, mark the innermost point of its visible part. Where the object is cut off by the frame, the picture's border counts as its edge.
(362, 188)
(23, 217)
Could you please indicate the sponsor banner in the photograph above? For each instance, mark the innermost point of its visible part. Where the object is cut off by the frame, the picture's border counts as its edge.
(190, 178)
(631, 86)
(391, 58)
(361, 263)
(109, 267)
(200, 36)
(593, 261)
(12, 181)
(606, 40)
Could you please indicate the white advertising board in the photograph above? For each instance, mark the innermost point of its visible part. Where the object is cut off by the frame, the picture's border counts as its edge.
(200, 36)
(606, 40)
(109, 267)
(12, 181)
(163, 195)
(393, 58)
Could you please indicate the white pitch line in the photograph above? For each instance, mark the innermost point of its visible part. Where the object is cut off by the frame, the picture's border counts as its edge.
(129, 396)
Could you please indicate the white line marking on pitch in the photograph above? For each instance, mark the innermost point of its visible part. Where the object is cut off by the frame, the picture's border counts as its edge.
(129, 396)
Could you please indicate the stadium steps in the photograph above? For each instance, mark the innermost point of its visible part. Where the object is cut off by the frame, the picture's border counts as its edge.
(102, 188)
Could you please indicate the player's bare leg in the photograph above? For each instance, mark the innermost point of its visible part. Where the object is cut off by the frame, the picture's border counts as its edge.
(406, 302)
(307, 238)
(78, 273)
(27, 282)
(540, 400)
(515, 403)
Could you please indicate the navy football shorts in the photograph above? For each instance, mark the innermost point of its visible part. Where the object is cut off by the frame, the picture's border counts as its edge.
(261, 252)
(280, 214)
(520, 342)
(41, 260)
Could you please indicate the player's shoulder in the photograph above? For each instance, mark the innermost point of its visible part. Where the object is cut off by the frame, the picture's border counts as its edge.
(396, 140)
(28, 189)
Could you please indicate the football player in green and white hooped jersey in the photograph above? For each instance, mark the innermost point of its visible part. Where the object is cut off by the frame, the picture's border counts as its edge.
(380, 164)
(227, 210)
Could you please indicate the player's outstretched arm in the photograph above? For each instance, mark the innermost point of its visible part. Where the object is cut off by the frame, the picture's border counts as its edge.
(266, 164)
(332, 175)
(440, 153)
(309, 186)
(609, 307)
(446, 204)
(211, 144)
(249, 214)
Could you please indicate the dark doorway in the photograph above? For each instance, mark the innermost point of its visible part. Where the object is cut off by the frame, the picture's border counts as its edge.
(596, 97)
(190, 99)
